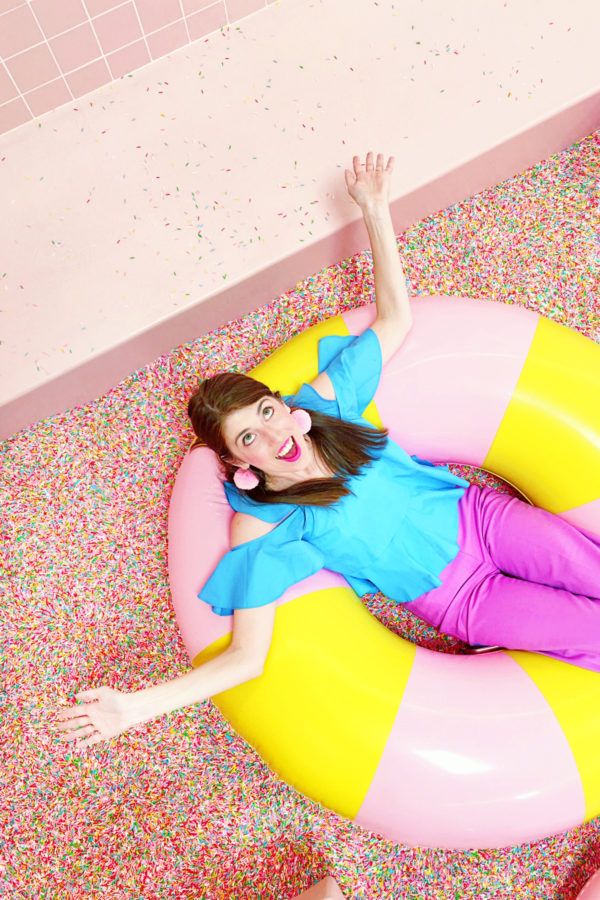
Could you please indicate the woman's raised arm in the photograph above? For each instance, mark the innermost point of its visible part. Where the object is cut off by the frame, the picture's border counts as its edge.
(370, 190)
(394, 318)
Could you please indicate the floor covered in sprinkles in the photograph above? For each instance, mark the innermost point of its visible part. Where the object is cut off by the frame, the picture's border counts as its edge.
(181, 806)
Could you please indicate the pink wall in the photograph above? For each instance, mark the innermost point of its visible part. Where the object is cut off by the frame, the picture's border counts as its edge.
(209, 181)
(54, 51)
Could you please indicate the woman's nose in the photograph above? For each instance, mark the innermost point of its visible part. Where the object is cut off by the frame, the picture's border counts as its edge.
(280, 436)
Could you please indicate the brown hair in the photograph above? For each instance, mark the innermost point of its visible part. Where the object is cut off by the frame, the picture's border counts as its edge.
(343, 446)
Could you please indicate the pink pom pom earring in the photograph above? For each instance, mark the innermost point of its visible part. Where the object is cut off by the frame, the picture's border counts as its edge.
(245, 479)
(303, 420)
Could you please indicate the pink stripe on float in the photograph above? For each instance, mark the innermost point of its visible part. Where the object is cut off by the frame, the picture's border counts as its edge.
(475, 758)
(585, 517)
(591, 890)
(359, 319)
(198, 529)
(457, 347)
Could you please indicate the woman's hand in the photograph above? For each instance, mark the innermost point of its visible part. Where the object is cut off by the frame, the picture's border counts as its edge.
(370, 185)
(110, 714)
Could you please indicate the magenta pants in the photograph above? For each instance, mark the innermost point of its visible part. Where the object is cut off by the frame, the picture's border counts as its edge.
(523, 579)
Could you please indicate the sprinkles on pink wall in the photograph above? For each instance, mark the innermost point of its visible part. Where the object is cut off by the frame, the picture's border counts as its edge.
(181, 806)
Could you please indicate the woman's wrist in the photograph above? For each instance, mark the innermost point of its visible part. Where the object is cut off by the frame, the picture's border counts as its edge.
(159, 699)
(376, 209)
(134, 712)
(229, 669)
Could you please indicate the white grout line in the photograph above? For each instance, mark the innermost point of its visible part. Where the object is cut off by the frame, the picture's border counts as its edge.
(103, 56)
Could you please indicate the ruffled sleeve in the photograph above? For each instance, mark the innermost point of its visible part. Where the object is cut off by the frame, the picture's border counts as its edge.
(354, 365)
(259, 571)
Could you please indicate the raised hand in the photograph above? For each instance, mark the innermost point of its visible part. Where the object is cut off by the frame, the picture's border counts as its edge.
(370, 184)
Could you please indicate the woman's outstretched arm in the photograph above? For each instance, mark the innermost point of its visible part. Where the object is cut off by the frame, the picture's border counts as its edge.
(370, 190)
(394, 319)
(242, 661)
(111, 712)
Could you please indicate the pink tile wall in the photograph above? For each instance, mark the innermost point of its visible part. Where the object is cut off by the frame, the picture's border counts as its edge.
(52, 53)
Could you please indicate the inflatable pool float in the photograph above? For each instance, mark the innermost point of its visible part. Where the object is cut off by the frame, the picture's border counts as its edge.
(424, 748)
(591, 889)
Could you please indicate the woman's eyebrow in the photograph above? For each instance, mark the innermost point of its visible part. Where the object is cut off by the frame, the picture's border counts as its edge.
(264, 400)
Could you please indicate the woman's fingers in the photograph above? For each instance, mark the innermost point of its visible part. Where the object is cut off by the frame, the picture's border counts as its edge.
(94, 738)
(71, 722)
(371, 183)
(368, 164)
(357, 164)
(79, 733)
(106, 716)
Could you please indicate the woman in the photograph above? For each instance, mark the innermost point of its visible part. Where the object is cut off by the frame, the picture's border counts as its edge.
(313, 484)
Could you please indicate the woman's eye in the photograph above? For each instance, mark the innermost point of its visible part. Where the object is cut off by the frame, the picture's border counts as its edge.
(248, 438)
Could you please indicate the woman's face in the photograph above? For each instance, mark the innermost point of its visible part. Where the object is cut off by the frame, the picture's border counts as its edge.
(265, 435)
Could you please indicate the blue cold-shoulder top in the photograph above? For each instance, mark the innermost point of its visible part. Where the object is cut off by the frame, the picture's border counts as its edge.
(394, 533)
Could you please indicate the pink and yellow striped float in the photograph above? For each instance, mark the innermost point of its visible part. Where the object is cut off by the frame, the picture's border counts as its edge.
(591, 889)
(424, 748)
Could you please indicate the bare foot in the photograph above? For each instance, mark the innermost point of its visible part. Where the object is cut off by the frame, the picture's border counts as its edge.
(327, 889)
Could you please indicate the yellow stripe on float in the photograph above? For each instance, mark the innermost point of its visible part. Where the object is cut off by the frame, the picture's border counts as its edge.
(548, 438)
(323, 709)
(573, 694)
(296, 362)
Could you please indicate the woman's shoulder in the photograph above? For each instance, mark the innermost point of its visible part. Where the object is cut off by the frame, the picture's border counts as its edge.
(245, 527)
(240, 502)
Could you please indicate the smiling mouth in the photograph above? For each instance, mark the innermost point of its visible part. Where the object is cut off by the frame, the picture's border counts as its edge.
(289, 451)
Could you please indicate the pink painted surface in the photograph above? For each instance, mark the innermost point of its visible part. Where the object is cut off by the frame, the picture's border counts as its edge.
(458, 348)
(112, 277)
(591, 890)
(54, 53)
(196, 547)
(475, 758)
